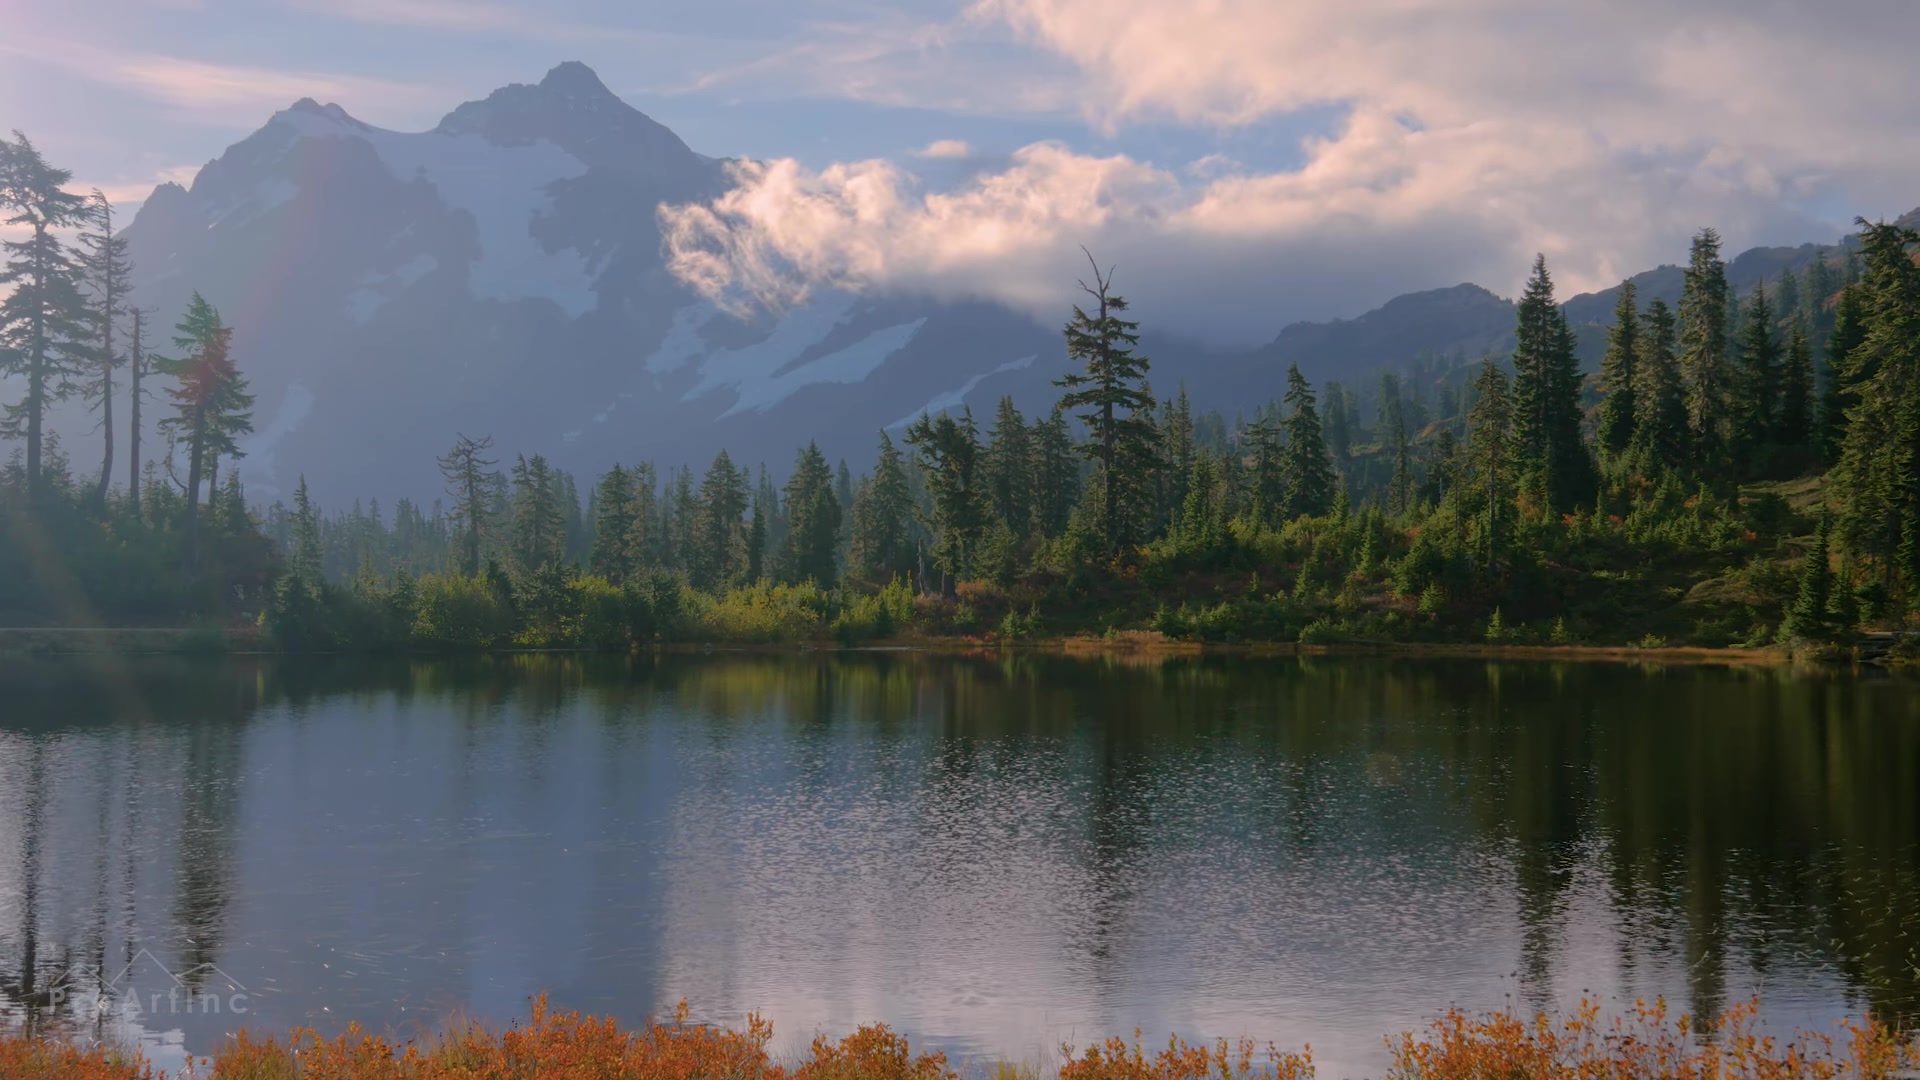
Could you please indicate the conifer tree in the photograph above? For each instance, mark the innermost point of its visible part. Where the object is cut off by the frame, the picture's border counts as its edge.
(1795, 428)
(1200, 525)
(1837, 394)
(882, 548)
(539, 522)
(104, 261)
(1660, 415)
(1008, 467)
(465, 469)
(1119, 417)
(43, 313)
(813, 522)
(1176, 437)
(212, 408)
(136, 396)
(1266, 479)
(1810, 616)
(1306, 475)
(1620, 376)
(680, 530)
(1490, 448)
(719, 551)
(614, 515)
(1704, 368)
(949, 451)
(1759, 375)
(1339, 434)
(1400, 490)
(308, 563)
(1056, 474)
(1878, 477)
(1546, 398)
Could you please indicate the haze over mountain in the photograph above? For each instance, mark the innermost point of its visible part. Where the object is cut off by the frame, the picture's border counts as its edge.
(503, 273)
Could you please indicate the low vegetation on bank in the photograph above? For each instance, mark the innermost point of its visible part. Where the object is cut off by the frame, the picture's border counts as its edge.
(1645, 1042)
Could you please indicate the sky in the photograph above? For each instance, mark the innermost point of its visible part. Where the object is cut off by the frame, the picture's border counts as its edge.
(1238, 160)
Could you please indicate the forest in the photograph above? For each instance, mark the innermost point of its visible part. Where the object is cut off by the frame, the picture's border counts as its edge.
(1740, 471)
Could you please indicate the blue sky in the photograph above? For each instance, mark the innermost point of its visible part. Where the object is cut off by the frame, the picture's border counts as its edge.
(1331, 152)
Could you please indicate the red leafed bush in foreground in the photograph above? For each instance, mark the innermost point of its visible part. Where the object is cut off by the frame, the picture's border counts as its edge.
(1642, 1043)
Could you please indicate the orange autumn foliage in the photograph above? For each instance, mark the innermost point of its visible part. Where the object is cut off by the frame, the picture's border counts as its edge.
(1643, 1044)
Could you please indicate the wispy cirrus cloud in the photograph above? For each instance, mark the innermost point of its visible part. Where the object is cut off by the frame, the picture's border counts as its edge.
(212, 91)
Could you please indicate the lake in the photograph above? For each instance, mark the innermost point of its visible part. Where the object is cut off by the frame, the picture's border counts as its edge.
(996, 854)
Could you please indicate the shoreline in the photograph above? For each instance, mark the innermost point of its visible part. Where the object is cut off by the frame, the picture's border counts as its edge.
(187, 641)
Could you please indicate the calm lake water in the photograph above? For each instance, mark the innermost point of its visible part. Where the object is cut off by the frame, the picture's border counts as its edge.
(996, 855)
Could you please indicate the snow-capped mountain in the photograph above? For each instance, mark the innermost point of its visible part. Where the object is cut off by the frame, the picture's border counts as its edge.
(502, 274)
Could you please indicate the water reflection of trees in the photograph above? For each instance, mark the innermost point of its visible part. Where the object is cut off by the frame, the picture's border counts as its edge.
(1737, 816)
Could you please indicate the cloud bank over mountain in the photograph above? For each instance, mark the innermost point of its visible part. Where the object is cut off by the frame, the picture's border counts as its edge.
(1473, 135)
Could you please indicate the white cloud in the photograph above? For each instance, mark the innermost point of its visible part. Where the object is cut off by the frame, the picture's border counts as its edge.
(1602, 132)
(1379, 208)
(945, 149)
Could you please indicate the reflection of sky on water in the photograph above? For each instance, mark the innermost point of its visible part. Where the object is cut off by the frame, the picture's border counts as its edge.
(977, 860)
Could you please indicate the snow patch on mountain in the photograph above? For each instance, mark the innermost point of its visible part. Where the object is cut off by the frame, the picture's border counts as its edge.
(953, 399)
(379, 287)
(503, 189)
(683, 343)
(847, 366)
(747, 369)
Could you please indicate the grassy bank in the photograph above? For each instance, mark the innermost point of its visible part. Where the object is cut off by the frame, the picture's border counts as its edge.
(1643, 1041)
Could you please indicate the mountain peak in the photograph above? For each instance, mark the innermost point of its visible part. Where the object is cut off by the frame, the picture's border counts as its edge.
(575, 80)
(572, 109)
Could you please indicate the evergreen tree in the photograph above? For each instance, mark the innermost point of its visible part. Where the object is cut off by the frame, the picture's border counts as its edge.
(1306, 475)
(1660, 414)
(104, 260)
(1267, 481)
(882, 548)
(1008, 468)
(719, 551)
(466, 473)
(1838, 396)
(1795, 429)
(308, 562)
(1704, 368)
(1339, 432)
(43, 314)
(1176, 438)
(681, 528)
(136, 396)
(1546, 398)
(1620, 376)
(212, 408)
(1200, 525)
(756, 540)
(1401, 488)
(949, 451)
(1056, 474)
(1810, 617)
(1759, 376)
(813, 522)
(1490, 448)
(614, 516)
(1119, 417)
(1878, 477)
(539, 522)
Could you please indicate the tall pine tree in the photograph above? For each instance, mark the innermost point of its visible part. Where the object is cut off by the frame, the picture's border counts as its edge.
(1704, 367)
(1112, 388)
(212, 408)
(1620, 375)
(44, 340)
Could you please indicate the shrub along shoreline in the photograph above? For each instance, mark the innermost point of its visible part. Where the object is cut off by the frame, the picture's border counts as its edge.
(1643, 1040)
